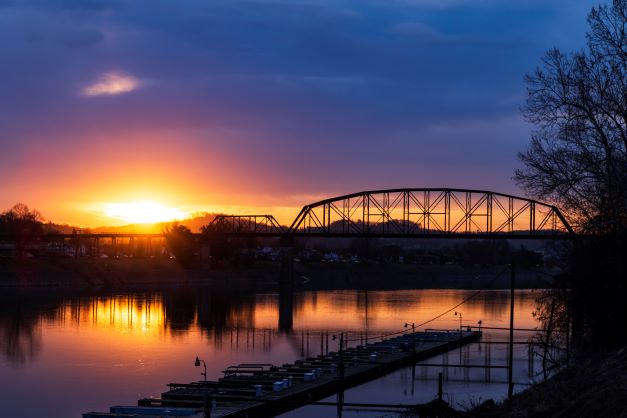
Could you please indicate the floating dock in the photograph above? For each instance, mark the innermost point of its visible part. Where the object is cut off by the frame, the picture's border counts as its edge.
(265, 390)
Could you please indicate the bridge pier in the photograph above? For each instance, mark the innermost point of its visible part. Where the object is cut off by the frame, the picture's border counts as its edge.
(286, 274)
(286, 310)
(286, 286)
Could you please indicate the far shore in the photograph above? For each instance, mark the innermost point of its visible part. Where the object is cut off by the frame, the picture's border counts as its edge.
(157, 273)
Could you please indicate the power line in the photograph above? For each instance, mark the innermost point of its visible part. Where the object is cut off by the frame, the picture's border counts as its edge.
(487, 284)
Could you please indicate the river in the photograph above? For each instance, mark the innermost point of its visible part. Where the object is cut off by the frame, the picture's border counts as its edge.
(63, 354)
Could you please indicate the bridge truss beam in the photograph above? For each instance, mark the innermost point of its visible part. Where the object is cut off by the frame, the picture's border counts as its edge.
(441, 213)
(245, 225)
(394, 213)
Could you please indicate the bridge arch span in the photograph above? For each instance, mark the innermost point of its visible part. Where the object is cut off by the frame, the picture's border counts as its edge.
(430, 212)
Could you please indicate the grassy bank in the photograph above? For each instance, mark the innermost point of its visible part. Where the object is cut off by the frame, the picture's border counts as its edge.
(595, 387)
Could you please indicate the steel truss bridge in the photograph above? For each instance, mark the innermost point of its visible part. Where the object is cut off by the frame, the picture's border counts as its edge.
(410, 213)
(393, 213)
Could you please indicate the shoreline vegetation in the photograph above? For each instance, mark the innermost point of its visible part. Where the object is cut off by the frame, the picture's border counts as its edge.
(594, 387)
(151, 273)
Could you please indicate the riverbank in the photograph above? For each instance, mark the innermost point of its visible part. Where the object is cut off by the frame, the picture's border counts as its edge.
(590, 388)
(127, 273)
(123, 274)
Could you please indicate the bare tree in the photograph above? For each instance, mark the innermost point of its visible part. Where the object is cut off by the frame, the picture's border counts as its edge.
(20, 224)
(181, 242)
(578, 102)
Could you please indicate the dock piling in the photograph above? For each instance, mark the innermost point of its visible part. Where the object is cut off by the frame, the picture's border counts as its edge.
(206, 406)
(510, 372)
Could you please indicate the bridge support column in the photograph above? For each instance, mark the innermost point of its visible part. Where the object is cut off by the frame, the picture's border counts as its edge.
(286, 275)
(286, 286)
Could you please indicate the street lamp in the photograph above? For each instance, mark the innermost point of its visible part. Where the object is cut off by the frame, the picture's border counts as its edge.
(197, 364)
(413, 335)
(460, 321)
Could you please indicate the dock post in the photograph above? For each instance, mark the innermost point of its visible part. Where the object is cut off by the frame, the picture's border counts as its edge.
(321, 343)
(206, 406)
(486, 371)
(440, 387)
(340, 402)
(510, 381)
(341, 357)
(327, 342)
(413, 377)
(530, 359)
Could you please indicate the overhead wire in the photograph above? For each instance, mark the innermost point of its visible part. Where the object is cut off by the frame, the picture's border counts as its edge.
(403, 331)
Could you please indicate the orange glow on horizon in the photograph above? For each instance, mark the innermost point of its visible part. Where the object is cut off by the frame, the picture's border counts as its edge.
(134, 166)
(143, 212)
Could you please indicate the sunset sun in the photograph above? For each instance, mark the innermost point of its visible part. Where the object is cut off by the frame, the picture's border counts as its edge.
(144, 212)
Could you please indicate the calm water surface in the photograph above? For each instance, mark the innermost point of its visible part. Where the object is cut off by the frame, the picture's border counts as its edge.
(64, 355)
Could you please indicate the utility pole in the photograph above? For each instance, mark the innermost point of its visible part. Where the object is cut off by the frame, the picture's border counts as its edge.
(413, 336)
(460, 322)
(510, 379)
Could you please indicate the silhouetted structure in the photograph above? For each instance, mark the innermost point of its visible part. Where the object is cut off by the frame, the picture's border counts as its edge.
(410, 213)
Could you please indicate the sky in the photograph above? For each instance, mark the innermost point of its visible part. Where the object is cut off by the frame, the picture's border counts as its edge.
(263, 105)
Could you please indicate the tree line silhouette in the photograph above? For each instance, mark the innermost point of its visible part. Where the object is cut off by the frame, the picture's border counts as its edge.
(20, 224)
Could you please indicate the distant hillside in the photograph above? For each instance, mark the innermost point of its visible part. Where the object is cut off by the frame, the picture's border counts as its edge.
(197, 222)
(57, 228)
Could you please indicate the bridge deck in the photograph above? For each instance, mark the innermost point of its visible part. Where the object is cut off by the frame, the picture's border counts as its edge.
(265, 390)
(200, 237)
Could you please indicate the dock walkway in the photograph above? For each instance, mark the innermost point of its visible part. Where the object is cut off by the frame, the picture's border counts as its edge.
(264, 390)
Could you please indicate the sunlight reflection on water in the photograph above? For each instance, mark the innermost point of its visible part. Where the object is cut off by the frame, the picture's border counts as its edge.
(78, 353)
